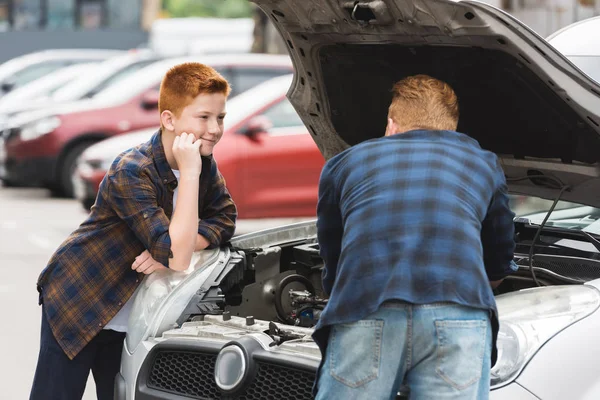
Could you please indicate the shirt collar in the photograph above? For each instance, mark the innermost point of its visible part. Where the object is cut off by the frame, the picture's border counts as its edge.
(439, 135)
(160, 159)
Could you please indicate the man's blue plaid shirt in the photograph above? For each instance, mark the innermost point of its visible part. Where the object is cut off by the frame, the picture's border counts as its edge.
(421, 217)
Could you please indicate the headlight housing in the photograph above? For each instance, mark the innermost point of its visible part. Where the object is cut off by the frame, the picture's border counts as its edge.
(163, 296)
(41, 127)
(529, 318)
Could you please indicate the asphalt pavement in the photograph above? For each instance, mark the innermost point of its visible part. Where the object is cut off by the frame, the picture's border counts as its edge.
(32, 226)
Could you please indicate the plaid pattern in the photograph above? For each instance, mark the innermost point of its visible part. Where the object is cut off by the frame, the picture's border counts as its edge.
(89, 277)
(421, 217)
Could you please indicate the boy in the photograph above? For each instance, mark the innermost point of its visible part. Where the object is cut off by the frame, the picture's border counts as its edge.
(159, 202)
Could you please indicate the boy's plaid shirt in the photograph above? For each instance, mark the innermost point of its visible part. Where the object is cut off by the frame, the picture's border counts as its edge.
(89, 277)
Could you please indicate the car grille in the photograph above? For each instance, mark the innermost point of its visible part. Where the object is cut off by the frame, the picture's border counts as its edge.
(192, 374)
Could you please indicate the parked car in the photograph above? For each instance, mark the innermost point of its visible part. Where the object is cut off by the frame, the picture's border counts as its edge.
(237, 323)
(106, 73)
(42, 146)
(24, 69)
(262, 134)
(579, 43)
(42, 88)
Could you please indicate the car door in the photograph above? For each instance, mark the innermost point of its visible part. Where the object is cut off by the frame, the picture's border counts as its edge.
(281, 167)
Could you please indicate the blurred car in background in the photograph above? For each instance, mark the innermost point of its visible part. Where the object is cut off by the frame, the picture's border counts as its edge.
(106, 73)
(269, 161)
(43, 145)
(44, 87)
(29, 67)
(579, 43)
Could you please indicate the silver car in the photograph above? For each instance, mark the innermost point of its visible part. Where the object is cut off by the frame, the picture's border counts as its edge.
(237, 323)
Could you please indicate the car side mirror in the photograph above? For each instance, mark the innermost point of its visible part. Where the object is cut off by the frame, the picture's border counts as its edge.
(150, 100)
(257, 126)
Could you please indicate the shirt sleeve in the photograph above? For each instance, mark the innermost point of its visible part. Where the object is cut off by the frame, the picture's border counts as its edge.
(219, 214)
(134, 199)
(497, 236)
(329, 227)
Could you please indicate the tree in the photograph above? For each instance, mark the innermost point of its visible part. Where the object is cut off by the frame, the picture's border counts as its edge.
(208, 8)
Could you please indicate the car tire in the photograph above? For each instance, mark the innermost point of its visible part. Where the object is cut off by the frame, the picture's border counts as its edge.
(64, 184)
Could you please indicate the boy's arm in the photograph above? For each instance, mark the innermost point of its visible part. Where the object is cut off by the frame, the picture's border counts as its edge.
(217, 218)
(134, 199)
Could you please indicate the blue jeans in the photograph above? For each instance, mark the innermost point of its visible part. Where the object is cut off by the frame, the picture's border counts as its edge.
(440, 351)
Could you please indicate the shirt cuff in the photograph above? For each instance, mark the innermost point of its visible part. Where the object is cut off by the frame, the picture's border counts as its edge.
(211, 234)
(161, 250)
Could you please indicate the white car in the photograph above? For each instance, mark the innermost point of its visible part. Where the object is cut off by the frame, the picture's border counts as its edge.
(26, 68)
(42, 88)
(237, 323)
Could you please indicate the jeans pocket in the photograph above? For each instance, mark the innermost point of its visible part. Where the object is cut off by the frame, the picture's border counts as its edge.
(355, 352)
(460, 351)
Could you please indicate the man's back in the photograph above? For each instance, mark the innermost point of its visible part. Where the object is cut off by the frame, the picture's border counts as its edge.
(412, 207)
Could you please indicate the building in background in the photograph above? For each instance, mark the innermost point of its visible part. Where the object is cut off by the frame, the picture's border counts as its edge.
(76, 14)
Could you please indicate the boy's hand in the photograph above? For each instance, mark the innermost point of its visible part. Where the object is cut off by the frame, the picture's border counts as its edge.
(186, 150)
(144, 263)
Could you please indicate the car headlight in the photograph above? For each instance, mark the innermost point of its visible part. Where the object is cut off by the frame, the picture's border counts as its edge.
(529, 318)
(35, 129)
(164, 294)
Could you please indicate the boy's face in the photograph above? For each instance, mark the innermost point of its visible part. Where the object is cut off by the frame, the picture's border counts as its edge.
(203, 118)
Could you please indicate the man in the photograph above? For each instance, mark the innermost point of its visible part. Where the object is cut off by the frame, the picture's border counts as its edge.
(159, 202)
(414, 229)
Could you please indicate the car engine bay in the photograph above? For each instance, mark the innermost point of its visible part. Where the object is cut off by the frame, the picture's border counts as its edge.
(282, 283)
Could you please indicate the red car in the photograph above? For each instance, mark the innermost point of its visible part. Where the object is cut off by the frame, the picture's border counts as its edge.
(270, 162)
(42, 146)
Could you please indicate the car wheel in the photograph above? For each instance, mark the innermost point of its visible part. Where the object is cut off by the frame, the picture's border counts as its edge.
(64, 187)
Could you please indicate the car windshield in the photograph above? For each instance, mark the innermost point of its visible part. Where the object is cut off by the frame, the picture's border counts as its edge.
(565, 215)
(84, 87)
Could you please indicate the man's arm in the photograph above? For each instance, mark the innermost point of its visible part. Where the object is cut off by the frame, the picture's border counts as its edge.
(217, 218)
(329, 227)
(497, 237)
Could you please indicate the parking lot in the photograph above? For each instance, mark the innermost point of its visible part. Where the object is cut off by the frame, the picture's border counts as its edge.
(32, 225)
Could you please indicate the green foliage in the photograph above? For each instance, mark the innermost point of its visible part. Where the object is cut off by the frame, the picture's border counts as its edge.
(208, 8)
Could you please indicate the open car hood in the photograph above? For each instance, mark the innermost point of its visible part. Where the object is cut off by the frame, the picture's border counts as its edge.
(518, 96)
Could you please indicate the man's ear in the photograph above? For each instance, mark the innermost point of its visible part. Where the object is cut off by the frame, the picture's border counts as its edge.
(391, 127)
(166, 119)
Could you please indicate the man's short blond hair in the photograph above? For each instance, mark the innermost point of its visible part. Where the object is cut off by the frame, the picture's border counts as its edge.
(423, 102)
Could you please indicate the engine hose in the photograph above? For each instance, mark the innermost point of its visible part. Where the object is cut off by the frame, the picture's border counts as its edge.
(279, 293)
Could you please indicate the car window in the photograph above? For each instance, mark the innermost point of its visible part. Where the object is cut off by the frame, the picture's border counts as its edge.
(283, 115)
(33, 72)
(246, 78)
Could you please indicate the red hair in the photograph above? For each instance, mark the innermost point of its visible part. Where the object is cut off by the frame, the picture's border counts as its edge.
(184, 82)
